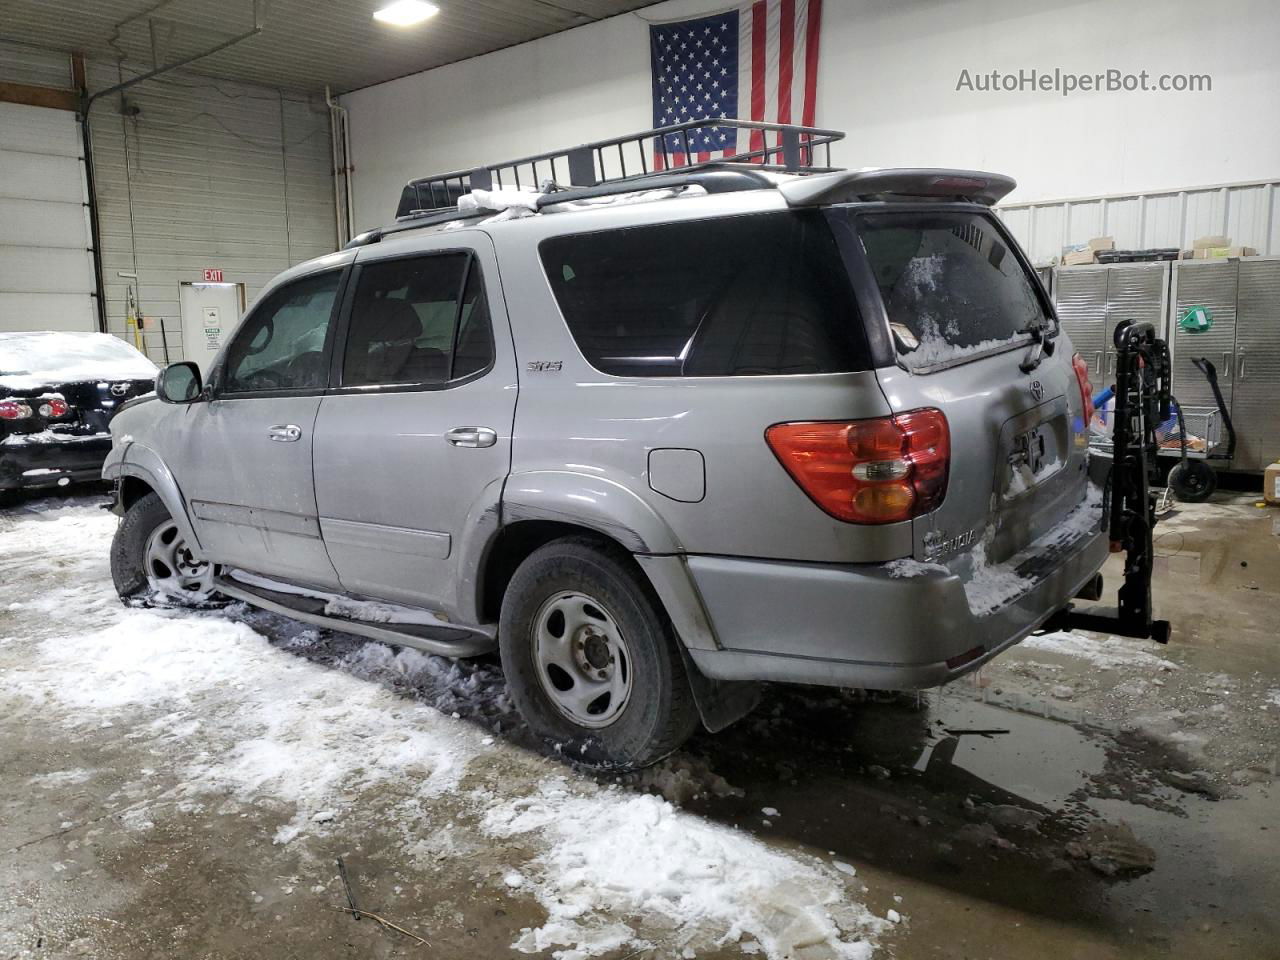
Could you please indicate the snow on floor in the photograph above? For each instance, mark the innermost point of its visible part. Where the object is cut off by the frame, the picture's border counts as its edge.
(233, 718)
(613, 853)
(1107, 653)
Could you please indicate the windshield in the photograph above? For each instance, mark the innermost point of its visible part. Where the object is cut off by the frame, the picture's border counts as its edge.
(951, 283)
(67, 357)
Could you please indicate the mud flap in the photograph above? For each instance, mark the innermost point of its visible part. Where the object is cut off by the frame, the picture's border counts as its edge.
(720, 702)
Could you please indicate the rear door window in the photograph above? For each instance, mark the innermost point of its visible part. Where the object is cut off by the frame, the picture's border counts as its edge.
(951, 283)
(418, 320)
(734, 296)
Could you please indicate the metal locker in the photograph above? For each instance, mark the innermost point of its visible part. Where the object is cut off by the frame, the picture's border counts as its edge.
(1138, 292)
(1080, 294)
(1211, 284)
(1255, 404)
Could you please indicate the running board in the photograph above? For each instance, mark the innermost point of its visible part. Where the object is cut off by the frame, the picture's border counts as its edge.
(448, 641)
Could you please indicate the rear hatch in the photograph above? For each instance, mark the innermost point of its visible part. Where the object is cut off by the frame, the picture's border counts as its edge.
(964, 310)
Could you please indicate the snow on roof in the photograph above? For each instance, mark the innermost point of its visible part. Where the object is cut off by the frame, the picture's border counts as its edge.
(33, 359)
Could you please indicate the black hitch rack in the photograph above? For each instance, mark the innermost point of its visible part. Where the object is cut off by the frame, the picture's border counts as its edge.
(1143, 400)
(794, 150)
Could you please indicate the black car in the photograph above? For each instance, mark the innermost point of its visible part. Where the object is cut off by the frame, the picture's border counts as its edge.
(58, 392)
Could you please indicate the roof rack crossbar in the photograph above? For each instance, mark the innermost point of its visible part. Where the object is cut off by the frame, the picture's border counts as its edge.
(793, 149)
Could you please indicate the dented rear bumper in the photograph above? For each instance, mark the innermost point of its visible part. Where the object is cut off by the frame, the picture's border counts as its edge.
(857, 625)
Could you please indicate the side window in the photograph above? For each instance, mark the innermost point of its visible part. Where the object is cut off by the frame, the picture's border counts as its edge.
(418, 320)
(735, 296)
(281, 344)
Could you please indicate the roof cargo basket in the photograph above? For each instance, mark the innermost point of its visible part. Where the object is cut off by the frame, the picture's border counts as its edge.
(780, 147)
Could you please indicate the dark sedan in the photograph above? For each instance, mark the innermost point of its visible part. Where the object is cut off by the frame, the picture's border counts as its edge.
(58, 392)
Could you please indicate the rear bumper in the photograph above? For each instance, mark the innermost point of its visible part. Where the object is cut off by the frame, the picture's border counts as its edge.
(856, 625)
(38, 463)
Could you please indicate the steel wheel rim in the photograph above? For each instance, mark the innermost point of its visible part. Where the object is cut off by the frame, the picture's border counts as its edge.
(172, 569)
(581, 659)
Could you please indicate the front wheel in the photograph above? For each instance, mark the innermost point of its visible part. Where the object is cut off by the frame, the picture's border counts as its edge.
(1193, 481)
(591, 659)
(151, 559)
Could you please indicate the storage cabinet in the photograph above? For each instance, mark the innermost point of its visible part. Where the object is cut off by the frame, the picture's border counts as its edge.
(1091, 301)
(1243, 297)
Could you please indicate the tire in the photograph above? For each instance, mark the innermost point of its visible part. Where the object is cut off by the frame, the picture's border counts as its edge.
(1193, 481)
(604, 605)
(132, 552)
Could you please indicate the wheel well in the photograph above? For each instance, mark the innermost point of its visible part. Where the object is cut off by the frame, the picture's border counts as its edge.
(132, 489)
(513, 545)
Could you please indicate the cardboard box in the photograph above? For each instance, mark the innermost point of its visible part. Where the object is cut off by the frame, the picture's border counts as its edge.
(1222, 253)
(1213, 240)
(1078, 258)
(1102, 243)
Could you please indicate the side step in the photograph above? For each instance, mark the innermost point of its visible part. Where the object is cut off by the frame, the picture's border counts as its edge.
(448, 641)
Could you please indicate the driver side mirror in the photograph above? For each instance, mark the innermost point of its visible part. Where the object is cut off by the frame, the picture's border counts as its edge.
(179, 383)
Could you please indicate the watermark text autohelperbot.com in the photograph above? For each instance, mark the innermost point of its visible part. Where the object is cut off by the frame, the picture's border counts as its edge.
(1066, 82)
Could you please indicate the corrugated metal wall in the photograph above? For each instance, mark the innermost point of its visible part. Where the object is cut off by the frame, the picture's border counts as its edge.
(20, 63)
(1249, 213)
(197, 174)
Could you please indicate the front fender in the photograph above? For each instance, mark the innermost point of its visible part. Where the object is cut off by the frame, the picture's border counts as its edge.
(598, 503)
(133, 459)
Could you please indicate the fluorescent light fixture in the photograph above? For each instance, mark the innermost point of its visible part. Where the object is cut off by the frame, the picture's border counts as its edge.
(406, 13)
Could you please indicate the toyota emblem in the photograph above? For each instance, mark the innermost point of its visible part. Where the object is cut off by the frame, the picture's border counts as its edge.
(1037, 390)
(119, 389)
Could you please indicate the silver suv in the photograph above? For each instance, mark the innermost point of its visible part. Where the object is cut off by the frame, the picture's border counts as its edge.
(814, 428)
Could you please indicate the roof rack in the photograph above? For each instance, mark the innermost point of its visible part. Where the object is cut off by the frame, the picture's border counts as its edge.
(794, 150)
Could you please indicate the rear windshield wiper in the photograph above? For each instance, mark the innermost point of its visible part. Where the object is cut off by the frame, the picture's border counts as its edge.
(1041, 344)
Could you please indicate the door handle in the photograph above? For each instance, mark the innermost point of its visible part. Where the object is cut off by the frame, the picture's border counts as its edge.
(285, 432)
(1097, 361)
(1240, 369)
(472, 437)
(1228, 361)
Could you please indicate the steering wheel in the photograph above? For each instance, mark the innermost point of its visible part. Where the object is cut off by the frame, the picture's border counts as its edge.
(266, 380)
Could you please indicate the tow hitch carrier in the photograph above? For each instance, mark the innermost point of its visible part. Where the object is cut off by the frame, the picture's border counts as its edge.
(1143, 397)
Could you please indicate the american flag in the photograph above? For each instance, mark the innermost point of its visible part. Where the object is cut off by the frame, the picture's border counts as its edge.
(758, 61)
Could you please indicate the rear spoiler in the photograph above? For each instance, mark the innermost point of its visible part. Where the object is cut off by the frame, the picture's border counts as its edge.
(904, 183)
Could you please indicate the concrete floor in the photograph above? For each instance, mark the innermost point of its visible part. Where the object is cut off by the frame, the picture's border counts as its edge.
(1079, 798)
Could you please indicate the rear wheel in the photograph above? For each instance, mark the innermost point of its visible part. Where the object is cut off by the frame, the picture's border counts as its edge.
(150, 558)
(1193, 481)
(590, 658)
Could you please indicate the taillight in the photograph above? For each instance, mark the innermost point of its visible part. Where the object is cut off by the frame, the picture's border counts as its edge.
(868, 471)
(14, 410)
(1086, 388)
(53, 408)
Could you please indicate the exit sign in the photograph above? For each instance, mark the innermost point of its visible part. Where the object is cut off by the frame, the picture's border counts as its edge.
(212, 276)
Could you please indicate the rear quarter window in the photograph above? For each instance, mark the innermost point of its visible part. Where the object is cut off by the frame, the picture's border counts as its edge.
(733, 296)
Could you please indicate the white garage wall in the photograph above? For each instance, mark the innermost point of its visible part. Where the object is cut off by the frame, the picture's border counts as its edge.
(207, 174)
(889, 70)
(46, 269)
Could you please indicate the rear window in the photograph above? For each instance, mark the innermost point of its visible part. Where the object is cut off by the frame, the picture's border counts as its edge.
(951, 284)
(734, 296)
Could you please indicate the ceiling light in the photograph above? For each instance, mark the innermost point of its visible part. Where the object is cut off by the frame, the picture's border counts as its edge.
(406, 13)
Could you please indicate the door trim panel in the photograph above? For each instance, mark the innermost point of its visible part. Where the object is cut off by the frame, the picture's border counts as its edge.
(294, 524)
(378, 536)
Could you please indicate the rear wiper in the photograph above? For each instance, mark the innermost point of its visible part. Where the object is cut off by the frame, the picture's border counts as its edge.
(1041, 344)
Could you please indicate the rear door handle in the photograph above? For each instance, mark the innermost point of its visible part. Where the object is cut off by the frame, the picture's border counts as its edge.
(472, 437)
(285, 432)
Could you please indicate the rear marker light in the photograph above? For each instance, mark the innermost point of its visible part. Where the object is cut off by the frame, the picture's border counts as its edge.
(1086, 388)
(13, 410)
(883, 470)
